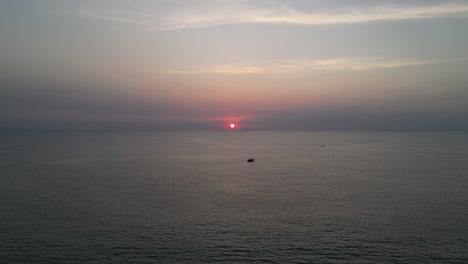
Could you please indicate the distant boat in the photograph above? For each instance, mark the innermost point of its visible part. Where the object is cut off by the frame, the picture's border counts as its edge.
(322, 146)
(251, 160)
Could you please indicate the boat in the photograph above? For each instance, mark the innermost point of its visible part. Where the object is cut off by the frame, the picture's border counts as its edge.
(251, 160)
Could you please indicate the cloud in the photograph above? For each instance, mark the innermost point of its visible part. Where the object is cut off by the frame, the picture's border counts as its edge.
(367, 64)
(226, 118)
(244, 13)
(284, 66)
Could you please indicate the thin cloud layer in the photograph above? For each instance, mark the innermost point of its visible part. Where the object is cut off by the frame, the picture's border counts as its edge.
(280, 15)
(225, 118)
(339, 64)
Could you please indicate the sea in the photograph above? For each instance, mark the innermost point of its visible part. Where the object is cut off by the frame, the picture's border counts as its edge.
(191, 197)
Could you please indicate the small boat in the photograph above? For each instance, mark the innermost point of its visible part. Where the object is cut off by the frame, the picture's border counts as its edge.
(251, 160)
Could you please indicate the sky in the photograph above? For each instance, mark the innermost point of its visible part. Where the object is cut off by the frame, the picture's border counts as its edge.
(202, 64)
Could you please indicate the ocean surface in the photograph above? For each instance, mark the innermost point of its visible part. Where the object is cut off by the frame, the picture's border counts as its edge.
(191, 197)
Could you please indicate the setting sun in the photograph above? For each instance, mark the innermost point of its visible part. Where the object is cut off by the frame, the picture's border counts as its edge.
(232, 126)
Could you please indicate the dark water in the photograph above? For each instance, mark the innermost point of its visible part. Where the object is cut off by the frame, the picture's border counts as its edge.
(190, 197)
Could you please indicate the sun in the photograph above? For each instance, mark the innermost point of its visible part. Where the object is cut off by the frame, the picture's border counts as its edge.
(232, 125)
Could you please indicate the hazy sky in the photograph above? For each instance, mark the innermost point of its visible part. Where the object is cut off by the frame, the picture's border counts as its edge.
(266, 64)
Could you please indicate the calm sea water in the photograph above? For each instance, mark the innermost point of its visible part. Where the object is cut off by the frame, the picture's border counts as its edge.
(191, 197)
